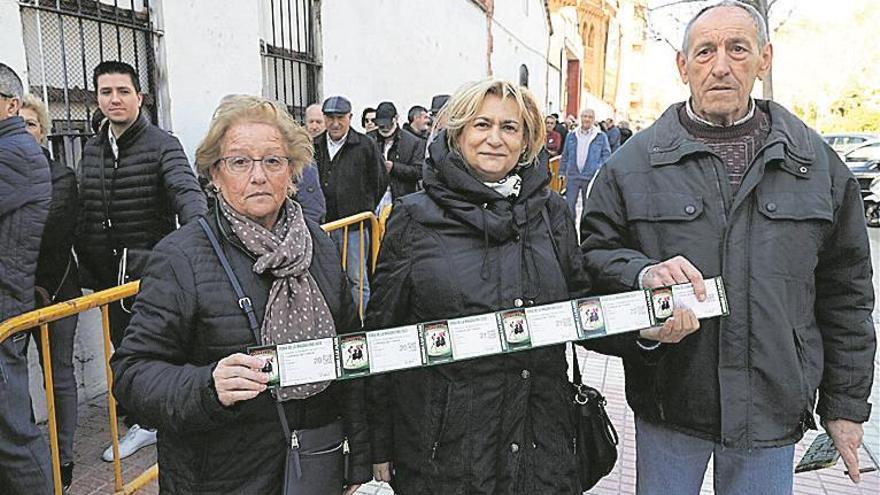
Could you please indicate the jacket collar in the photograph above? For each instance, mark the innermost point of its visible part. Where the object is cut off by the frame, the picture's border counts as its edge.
(12, 125)
(788, 137)
(129, 136)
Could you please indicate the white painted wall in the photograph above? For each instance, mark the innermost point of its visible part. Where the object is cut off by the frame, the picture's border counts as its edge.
(212, 49)
(402, 51)
(520, 34)
(11, 39)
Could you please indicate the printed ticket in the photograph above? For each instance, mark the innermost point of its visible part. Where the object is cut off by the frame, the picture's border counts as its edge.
(551, 324)
(625, 312)
(394, 349)
(308, 361)
(683, 296)
(474, 336)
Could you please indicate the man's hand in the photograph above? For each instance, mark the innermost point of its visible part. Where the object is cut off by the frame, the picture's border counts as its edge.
(237, 377)
(382, 472)
(674, 271)
(389, 165)
(847, 436)
(682, 323)
(350, 489)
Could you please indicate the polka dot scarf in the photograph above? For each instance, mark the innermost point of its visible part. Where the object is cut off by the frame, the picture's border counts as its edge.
(296, 309)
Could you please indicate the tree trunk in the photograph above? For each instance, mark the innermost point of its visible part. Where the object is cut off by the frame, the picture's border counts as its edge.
(763, 7)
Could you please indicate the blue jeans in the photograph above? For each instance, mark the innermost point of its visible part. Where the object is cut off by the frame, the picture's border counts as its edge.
(669, 462)
(574, 188)
(353, 262)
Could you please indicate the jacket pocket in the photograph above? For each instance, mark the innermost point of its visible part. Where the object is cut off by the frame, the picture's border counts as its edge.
(805, 371)
(797, 206)
(663, 206)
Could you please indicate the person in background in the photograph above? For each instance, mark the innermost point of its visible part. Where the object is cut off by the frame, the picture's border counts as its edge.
(724, 184)
(368, 119)
(418, 122)
(585, 153)
(135, 185)
(314, 120)
(571, 123)
(182, 364)
(625, 131)
(554, 140)
(57, 281)
(25, 195)
(613, 134)
(403, 152)
(562, 129)
(308, 187)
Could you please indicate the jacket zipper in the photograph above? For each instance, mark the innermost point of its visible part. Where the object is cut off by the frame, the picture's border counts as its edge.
(443, 418)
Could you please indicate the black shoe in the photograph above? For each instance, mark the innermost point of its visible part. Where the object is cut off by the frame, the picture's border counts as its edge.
(66, 475)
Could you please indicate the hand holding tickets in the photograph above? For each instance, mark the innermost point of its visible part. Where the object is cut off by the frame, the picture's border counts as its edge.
(239, 377)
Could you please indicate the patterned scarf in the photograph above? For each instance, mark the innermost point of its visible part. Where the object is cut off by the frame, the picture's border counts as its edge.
(296, 309)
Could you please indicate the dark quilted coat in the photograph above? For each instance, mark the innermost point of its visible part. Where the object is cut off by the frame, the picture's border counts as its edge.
(149, 184)
(25, 192)
(494, 425)
(56, 263)
(187, 318)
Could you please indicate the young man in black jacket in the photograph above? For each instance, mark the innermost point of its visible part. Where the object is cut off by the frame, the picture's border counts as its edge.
(404, 153)
(135, 185)
(353, 178)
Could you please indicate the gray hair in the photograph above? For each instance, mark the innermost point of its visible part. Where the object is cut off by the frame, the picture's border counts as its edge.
(760, 25)
(10, 83)
(585, 110)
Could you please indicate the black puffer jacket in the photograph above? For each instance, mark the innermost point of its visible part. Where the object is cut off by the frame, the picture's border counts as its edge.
(495, 425)
(793, 249)
(186, 318)
(407, 153)
(56, 263)
(149, 184)
(25, 192)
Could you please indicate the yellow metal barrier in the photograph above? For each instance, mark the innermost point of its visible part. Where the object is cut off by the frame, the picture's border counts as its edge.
(557, 182)
(360, 220)
(43, 316)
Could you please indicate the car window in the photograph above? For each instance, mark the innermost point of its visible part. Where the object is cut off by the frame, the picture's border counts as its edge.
(865, 153)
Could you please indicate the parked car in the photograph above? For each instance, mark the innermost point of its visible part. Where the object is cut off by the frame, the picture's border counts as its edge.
(842, 143)
(864, 162)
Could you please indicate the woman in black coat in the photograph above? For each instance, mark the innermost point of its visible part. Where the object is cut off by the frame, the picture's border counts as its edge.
(183, 365)
(477, 240)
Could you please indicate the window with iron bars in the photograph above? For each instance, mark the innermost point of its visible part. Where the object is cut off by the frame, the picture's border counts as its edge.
(64, 40)
(290, 63)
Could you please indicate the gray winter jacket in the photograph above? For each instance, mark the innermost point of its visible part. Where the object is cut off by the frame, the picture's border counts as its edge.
(793, 249)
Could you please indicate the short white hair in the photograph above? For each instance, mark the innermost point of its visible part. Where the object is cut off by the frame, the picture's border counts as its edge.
(760, 25)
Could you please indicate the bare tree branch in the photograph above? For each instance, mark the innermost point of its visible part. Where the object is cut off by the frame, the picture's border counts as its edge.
(670, 4)
(784, 19)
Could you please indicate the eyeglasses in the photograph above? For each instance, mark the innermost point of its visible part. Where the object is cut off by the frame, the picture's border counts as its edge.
(240, 165)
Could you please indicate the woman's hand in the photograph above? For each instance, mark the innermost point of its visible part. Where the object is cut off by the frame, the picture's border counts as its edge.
(350, 489)
(682, 323)
(237, 377)
(382, 472)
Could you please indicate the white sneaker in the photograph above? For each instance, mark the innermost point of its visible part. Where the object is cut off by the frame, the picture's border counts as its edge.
(136, 439)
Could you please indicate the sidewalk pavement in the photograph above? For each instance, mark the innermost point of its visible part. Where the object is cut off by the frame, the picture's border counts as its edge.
(93, 477)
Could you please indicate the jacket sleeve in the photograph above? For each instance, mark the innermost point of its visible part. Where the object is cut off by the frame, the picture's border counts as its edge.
(569, 153)
(152, 376)
(606, 150)
(310, 195)
(63, 211)
(187, 198)
(610, 257)
(378, 175)
(389, 303)
(411, 170)
(570, 259)
(14, 178)
(844, 301)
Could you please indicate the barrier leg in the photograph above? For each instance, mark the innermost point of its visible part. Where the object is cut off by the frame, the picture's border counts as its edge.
(111, 401)
(50, 403)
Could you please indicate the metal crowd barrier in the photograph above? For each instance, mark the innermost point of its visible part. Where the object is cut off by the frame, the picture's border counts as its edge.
(43, 316)
(557, 183)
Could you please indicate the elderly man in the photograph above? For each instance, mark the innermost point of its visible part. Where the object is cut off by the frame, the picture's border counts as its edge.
(723, 184)
(585, 151)
(308, 187)
(25, 192)
(353, 178)
(418, 122)
(403, 153)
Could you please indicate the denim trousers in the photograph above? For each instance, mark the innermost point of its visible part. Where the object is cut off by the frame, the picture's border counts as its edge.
(573, 189)
(670, 462)
(354, 269)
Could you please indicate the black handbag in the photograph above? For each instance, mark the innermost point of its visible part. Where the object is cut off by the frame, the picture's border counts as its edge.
(595, 437)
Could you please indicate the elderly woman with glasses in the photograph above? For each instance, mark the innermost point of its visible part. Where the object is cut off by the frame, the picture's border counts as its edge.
(183, 362)
(486, 234)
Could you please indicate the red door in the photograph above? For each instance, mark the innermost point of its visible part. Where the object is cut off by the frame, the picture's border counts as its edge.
(573, 87)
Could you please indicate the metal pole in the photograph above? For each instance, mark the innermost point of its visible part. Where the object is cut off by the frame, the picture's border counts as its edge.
(111, 401)
(50, 405)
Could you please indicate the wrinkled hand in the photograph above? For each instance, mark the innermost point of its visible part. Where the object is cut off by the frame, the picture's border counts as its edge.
(350, 489)
(674, 271)
(847, 436)
(382, 472)
(682, 323)
(389, 165)
(237, 377)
